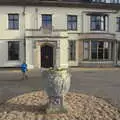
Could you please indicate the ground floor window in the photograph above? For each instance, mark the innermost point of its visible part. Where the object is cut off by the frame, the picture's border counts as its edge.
(118, 50)
(13, 50)
(72, 49)
(97, 50)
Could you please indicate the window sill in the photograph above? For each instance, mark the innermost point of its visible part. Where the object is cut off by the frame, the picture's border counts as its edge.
(71, 60)
(98, 30)
(72, 30)
(13, 60)
(13, 29)
(97, 60)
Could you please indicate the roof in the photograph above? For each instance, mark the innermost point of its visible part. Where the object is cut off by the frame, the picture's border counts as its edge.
(61, 3)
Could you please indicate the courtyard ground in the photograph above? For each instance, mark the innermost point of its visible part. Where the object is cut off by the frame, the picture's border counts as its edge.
(103, 83)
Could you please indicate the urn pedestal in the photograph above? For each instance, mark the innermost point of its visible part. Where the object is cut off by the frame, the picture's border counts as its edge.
(58, 84)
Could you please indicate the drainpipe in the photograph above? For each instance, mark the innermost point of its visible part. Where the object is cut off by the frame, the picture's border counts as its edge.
(24, 41)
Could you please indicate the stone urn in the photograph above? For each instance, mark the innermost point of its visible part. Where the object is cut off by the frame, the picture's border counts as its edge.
(58, 84)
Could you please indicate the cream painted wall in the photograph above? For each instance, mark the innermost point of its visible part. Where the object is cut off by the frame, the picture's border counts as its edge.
(33, 20)
(5, 33)
(59, 19)
(29, 53)
(63, 53)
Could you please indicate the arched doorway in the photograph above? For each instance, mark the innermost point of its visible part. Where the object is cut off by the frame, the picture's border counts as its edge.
(46, 56)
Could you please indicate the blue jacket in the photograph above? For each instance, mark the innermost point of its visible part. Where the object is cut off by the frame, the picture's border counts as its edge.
(24, 67)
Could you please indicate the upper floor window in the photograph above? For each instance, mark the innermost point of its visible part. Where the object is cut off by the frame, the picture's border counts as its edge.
(98, 23)
(115, 1)
(47, 21)
(13, 50)
(98, 1)
(72, 22)
(107, 1)
(118, 23)
(13, 21)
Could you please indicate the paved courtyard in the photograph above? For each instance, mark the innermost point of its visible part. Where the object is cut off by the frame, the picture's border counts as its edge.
(104, 83)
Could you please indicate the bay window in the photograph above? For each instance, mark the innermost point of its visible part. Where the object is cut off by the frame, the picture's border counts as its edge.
(98, 22)
(98, 50)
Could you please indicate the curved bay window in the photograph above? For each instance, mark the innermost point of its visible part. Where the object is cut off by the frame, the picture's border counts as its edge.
(98, 50)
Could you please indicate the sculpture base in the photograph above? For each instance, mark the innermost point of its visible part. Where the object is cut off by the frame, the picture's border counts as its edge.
(56, 110)
(56, 105)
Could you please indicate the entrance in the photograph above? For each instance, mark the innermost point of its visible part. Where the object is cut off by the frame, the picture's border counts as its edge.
(46, 56)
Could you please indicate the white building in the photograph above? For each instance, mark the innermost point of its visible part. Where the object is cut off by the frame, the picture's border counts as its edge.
(59, 33)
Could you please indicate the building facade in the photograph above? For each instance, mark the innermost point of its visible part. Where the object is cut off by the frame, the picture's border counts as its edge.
(59, 33)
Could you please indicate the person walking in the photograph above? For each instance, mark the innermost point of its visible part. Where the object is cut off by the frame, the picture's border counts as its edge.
(24, 70)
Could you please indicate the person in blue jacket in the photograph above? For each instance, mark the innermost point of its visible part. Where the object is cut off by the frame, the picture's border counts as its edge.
(24, 69)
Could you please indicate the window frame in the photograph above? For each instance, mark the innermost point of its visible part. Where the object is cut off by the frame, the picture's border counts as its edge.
(106, 1)
(105, 44)
(11, 51)
(101, 22)
(84, 48)
(118, 50)
(118, 24)
(14, 21)
(71, 22)
(45, 22)
(72, 51)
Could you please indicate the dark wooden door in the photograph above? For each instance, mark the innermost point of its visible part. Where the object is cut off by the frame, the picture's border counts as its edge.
(47, 56)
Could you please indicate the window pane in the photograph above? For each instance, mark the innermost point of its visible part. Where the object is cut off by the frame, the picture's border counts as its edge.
(118, 23)
(47, 21)
(16, 24)
(69, 18)
(10, 17)
(100, 49)
(69, 26)
(86, 50)
(11, 25)
(74, 18)
(94, 50)
(100, 53)
(118, 50)
(106, 53)
(13, 21)
(16, 17)
(98, 22)
(13, 50)
(106, 50)
(72, 47)
(72, 22)
(74, 26)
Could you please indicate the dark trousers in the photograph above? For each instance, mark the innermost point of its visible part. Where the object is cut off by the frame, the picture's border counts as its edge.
(25, 76)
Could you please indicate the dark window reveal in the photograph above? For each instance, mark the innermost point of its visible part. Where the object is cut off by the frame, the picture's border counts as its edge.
(13, 50)
(72, 48)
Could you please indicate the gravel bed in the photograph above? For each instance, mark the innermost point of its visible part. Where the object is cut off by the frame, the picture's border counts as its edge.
(29, 106)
